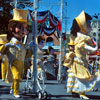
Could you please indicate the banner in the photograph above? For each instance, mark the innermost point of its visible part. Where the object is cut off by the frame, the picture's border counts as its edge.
(41, 16)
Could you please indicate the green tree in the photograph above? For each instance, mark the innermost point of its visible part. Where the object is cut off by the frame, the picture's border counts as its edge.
(5, 15)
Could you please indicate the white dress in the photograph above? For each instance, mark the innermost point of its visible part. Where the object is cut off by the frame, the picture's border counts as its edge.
(79, 78)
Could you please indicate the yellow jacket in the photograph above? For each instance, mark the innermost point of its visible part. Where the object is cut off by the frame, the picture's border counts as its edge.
(68, 62)
(80, 64)
(16, 55)
(78, 61)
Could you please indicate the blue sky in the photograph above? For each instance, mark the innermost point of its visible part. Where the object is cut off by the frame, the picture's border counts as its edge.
(72, 10)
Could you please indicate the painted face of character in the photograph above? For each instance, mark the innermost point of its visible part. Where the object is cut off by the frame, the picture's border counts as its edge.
(71, 47)
(20, 31)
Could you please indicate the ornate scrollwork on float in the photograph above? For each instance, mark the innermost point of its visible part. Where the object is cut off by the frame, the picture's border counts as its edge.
(21, 4)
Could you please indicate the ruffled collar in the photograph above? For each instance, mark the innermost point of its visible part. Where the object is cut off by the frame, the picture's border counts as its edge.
(81, 37)
(79, 34)
(15, 41)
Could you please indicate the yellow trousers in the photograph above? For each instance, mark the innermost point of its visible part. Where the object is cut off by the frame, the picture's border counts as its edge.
(4, 67)
(16, 70)
(15, 86)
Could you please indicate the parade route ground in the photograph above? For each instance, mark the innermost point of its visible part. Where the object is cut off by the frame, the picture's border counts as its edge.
(55, 90)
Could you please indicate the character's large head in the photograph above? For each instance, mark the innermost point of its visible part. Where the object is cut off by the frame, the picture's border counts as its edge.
(82, 23)
(18, 25)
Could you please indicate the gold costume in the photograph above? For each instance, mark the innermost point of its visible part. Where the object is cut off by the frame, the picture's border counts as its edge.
(3, 57)
(80, 64)
(4, 66)
(78, 61)
(16, 57)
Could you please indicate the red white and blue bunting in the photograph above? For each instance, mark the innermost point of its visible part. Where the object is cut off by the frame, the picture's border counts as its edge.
(41, 16)
(53, 21)
(49, 31)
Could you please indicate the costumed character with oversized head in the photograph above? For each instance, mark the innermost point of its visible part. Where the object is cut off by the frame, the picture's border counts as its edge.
(78, 70)
(15, 48)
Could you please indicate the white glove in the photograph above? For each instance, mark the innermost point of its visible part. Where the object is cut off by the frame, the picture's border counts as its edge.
(8, 44)
(91, 48)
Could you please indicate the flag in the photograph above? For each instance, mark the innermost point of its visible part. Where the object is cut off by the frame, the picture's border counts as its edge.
(94, 41)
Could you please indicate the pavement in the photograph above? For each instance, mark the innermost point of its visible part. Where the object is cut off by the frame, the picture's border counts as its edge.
(55, 91)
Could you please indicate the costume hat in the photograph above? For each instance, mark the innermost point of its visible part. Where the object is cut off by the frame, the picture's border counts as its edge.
(71, 41)
(20, 15)
(3, 38)
(81, 21)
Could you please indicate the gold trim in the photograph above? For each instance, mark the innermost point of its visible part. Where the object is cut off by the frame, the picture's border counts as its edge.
(69, 71)
(71, 82)
(21, 20)
(72, 86)
(84, 91)
(70, 76)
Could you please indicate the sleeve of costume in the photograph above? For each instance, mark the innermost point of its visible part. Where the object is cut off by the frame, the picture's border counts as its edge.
(89, 45)
(69, 59)
(90, 48)
(81, 45)
(2, 48)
